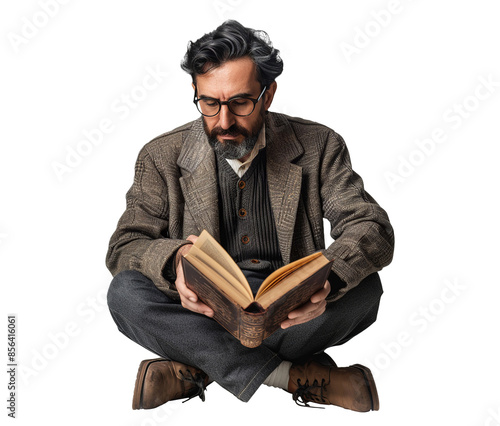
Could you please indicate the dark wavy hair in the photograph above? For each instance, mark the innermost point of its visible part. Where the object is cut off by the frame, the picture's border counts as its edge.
(231, 40)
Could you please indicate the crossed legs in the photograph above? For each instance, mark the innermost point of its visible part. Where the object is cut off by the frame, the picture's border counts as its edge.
(150, 318)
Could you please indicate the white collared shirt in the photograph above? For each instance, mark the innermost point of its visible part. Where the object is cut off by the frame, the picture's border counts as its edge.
(239, 167)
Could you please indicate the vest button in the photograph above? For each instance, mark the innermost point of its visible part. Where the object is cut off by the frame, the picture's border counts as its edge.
(241, 184)
(245, 239)
(242, 212)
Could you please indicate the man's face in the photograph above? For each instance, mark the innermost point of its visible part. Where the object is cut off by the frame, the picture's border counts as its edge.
(230, 135)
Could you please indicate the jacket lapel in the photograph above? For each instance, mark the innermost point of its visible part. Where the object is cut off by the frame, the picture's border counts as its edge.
(199, 180)
(284, 179)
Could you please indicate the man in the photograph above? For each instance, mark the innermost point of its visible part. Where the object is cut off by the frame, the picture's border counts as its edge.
(260, 183)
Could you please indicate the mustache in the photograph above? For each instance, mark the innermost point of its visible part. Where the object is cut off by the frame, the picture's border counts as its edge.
(233, 131)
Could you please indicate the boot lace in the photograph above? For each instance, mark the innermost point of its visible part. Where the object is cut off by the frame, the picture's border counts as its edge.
(306, 393)
(198, 380)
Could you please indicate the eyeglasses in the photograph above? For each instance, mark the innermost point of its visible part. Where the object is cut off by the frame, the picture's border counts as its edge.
(239, 105)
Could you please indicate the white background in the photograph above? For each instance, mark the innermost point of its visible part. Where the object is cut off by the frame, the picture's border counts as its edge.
(383, 80)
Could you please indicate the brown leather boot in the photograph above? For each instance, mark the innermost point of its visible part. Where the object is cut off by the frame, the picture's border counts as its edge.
(351, 387)
(159, 381)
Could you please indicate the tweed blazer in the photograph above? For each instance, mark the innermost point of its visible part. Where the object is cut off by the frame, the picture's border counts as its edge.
(175, 194)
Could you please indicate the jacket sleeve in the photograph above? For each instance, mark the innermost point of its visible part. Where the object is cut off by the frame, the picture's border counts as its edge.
(363, 236)
(142, 240)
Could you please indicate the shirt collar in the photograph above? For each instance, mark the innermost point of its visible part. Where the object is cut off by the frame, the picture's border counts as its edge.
(239, 167)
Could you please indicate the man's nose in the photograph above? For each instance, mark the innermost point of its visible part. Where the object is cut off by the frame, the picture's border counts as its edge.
(226, 117)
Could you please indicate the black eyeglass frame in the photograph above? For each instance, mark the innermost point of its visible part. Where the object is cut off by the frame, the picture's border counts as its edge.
(254, 101)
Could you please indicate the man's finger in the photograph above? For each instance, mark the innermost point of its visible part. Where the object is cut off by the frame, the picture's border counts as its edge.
(321, 294)
(192, 238)
(305, 309)
(189, 299)
(197, 307)
(181, 286)
(306, 313)
(302, 319)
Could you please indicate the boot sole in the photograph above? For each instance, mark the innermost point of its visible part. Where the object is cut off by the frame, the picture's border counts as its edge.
(370, 383)
(139, 382)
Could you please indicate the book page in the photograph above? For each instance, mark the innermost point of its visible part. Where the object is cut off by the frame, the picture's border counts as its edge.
(220, 278)
(301, 275)
(277, 276)
(219, 259)
(278, 309)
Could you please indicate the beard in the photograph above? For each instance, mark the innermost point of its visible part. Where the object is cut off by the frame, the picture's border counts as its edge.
(233, 150)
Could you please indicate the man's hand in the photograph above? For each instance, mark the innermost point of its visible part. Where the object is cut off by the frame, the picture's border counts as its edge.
(189, 299)
(312, 309)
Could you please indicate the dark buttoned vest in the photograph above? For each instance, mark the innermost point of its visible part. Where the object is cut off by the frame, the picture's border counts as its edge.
(248, 231)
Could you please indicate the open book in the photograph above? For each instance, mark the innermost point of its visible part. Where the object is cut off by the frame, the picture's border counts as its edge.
(219, 283)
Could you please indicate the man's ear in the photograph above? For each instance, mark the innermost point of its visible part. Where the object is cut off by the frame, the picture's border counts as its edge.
(269, 95)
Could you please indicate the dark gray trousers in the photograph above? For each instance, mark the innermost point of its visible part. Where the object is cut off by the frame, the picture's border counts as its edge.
(150, 318)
